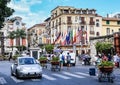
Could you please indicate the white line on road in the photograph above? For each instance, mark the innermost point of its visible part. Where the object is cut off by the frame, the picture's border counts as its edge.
(84, 74)
(48, 77)
(2, 81)
(73, 75)
(17, 80)
(61, 76)
(36, 79)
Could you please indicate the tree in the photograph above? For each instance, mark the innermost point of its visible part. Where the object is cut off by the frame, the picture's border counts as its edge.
(12, 36)
(4, 13)
(49, 48)
(20, 34)
(103, 47)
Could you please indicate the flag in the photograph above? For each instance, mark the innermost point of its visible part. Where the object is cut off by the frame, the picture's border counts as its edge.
(63, 38)
(68, 38)
(57, 38)
(74, 35)
(71, 36)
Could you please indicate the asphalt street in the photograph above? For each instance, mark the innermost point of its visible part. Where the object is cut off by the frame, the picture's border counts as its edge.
(78, 75)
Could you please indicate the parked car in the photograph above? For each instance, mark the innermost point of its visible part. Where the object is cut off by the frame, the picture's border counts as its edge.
(73, 57)
(25, 67)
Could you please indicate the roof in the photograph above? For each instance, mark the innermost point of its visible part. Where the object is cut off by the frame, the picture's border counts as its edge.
(111, 18)
(37, 25)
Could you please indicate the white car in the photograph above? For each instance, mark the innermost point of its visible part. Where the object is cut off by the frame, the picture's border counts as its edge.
(26, 67)
(73, 57)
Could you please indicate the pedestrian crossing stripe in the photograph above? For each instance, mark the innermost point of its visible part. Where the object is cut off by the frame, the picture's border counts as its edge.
(64, 75)
(73, 75)
(80, 73)
(2, 81)
(48, 77)
(61, 76)
(17, 80)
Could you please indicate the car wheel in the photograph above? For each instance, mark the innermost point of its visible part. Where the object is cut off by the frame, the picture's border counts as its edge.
(40, 76)
(17, 74)
(73, 64)
(11, 72)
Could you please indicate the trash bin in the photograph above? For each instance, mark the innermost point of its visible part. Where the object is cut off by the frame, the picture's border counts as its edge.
(92, 72)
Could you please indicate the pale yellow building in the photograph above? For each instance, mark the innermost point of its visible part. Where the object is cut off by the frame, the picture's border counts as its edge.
(80, 23)
(36, 35)
(110, 25)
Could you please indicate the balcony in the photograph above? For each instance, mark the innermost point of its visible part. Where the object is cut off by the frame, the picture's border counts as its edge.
(91, 23)
(83, 22)
(59, 23)
(69, 22)
(92, 32)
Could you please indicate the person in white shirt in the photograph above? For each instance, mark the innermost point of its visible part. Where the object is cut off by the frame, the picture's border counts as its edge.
(61, 59)
(116, 59)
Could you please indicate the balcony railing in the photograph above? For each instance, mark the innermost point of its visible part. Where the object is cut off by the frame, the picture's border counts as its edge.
(82, 22)
(92, 32)
(69, 22)
(92, 23)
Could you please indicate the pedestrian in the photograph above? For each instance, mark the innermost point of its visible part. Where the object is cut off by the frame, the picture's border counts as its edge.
(68, 57)
(104, 57)
(61, 59)
(116, 59)
(10, 56)
(109, 57)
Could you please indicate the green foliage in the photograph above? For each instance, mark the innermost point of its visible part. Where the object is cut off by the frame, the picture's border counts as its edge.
(42, 58)
(103, 46)
(49, 48)
(4, 11)
(15, 57)
(55, 59)
(106, 63)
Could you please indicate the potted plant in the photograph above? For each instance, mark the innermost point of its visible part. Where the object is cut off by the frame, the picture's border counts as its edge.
(106, 66)
(43, 59)
(55, 61)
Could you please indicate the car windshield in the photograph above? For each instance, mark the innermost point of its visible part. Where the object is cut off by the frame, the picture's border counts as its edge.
(23, 61)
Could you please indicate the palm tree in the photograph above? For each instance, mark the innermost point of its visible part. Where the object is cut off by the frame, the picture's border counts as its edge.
(20, 34)
(11, 36)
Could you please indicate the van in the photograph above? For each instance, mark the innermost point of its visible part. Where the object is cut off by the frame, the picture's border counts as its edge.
(73, 57)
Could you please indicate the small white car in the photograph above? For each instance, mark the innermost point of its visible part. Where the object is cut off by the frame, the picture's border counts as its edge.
(26, 67)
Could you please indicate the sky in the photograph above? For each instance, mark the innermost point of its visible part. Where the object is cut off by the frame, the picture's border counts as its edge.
(36, 11)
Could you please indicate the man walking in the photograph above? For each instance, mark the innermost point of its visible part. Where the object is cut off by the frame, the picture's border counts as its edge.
(61, 59)
(68, 60)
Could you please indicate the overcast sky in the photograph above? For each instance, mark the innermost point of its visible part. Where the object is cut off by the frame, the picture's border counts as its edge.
(36, 11)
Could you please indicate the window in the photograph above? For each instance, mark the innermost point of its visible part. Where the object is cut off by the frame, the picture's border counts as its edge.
(112, 31)
(107, 22)
(118, 22)
(119, 29)
(97, 33)
(97, 24)
(108, 31)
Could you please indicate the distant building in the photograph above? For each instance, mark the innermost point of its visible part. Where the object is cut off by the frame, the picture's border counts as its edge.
(10, 25)
(74, 26)
(110, 25)
(37, 35)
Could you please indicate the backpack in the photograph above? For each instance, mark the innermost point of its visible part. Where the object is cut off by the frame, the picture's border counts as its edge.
(63, 57)
(68, 57)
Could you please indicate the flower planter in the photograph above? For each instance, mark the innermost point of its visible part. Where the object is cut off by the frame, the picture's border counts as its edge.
(54, 62)
(106, 69)
(43, 61)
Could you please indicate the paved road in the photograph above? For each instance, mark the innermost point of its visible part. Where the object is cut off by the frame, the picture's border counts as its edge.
(77, 75)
